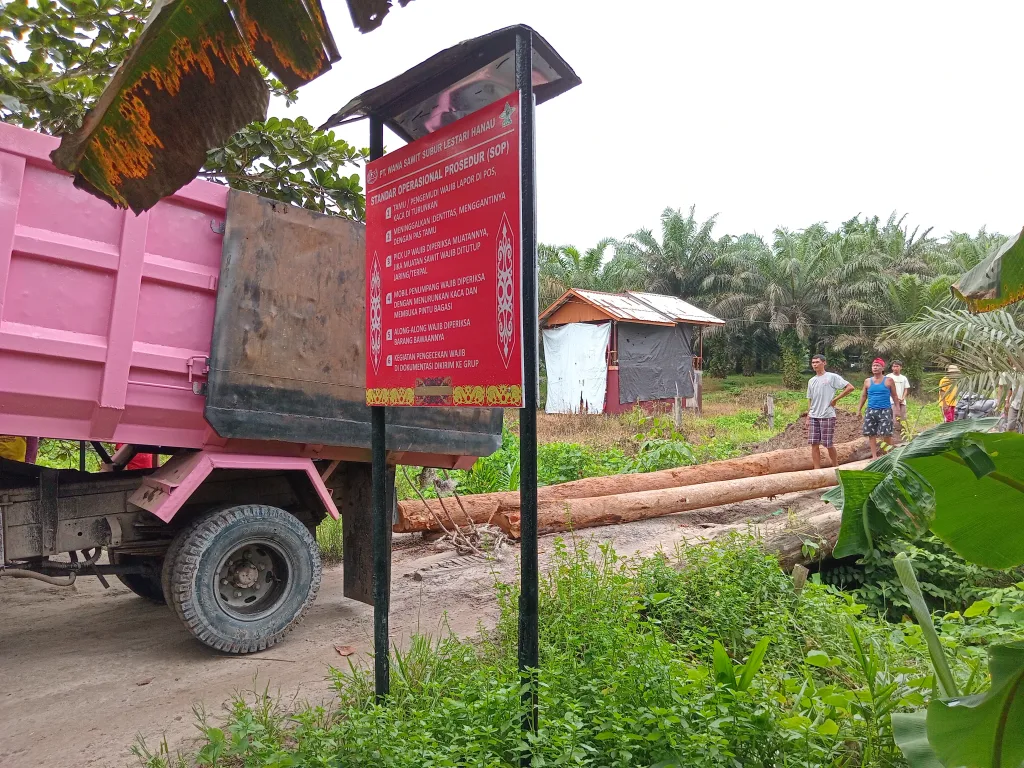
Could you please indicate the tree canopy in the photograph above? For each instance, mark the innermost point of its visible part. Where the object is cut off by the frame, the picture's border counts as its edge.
(56, 56)
(835, 290)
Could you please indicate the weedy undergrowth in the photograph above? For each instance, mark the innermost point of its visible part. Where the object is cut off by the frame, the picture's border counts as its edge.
(703, 657)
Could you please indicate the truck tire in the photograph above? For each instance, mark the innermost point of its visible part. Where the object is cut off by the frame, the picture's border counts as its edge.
(143, 585)
(243, 577)
(168, 566)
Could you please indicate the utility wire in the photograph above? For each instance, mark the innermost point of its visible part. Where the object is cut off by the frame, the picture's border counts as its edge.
(814, 325)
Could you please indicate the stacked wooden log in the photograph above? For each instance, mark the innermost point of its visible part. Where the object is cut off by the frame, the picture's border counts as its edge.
(625, 498)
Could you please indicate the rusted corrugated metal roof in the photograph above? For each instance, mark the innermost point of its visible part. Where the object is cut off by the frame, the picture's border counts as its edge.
(677, 309)
(623, 306)
(639, 307)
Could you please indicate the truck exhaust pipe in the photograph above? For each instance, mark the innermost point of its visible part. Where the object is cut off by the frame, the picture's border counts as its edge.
(57, 581)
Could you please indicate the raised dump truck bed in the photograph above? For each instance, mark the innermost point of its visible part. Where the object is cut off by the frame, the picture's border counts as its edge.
(107, 325)
(224, 332)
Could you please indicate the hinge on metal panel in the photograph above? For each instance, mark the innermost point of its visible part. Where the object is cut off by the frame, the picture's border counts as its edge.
(217, 226)
(198, 366)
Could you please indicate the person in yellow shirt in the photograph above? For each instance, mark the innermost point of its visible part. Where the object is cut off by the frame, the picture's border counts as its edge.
(947, 393)
(12, 447)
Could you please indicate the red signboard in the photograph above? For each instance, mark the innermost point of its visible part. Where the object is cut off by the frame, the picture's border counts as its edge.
(443, 266)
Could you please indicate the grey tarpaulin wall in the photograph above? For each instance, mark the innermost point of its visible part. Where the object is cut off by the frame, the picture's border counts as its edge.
(653, 360)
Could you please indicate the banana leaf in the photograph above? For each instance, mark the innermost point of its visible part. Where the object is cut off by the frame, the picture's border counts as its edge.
(997, 281)
(367, 15)
(963, 484)
(191, 81)
(910, 731)
(290, 37)
(985, 730)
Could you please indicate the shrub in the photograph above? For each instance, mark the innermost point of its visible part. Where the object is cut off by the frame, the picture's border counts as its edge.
(642, 663)
(948, 582)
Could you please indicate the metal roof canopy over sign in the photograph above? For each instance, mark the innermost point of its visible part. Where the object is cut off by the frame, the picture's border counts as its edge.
(431, 95)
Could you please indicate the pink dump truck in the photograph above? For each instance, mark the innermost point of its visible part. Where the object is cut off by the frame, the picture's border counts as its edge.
(224, 333)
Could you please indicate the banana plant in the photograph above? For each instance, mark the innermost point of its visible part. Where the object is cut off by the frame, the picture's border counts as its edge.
(967, 487)
(957, 480)
(985, 730)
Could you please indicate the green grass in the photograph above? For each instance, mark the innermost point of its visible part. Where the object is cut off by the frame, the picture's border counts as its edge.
(758, 380)
(328, 536)
(629, 676)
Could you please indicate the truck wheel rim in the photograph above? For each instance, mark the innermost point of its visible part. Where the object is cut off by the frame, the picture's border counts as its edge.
(252, 580)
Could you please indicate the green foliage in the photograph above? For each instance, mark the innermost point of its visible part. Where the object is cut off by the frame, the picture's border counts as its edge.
(834, 290)
(988, 348)
(564, 267)
(660, 453)
(717, 363)
(73, 47)
(643, 663)
(966, 487)
(330, 540)
(563, 462)
(985, 729)
(948, 583)
(64, 454)
(792, 368)
(161, 758)
(56, 57)
(291, 161)
(936, 482)
(556, 463)
(681, 264)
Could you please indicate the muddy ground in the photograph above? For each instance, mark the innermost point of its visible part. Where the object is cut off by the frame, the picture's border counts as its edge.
(84, 670)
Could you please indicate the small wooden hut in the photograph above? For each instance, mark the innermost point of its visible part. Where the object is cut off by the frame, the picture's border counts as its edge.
(608, 352)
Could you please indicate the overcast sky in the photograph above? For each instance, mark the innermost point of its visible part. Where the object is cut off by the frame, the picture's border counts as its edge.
(767, 113)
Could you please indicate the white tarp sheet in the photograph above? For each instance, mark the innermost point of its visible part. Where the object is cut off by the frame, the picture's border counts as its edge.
(577, 365)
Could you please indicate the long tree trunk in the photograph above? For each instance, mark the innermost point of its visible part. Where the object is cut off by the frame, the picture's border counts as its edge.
(574, 514)
(414, 516)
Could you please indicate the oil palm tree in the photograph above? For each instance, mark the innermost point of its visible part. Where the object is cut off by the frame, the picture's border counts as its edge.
(893, 246)
(988, 348)
(679, 265)
(961, 251)
(564, 267)
(783, 285)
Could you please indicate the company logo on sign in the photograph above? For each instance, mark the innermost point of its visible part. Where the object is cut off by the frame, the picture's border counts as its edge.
(375, 314)
(505, 290)
(371, 176)
(506, 115)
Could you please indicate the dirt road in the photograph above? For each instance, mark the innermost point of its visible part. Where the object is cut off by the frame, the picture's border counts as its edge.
(84, 670)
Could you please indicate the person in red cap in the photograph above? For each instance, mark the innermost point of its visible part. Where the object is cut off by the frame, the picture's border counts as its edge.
(879, 393)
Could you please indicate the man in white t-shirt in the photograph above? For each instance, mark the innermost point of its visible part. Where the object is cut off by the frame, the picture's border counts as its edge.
(899, 403)
(821, 416)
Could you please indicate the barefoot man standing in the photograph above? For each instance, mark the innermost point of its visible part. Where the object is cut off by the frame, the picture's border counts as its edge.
(821, 418)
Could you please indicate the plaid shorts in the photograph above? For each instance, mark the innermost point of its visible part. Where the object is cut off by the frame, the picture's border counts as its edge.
(878, 422)
(821, 431)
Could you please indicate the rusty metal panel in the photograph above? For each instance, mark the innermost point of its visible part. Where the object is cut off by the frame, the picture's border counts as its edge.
(622, 306)
(351, 487)
(288, 352)
(675, 308)
(632, 307)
